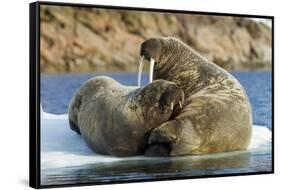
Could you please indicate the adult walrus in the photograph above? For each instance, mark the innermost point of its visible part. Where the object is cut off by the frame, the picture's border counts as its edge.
(216, 114)
(116, 119)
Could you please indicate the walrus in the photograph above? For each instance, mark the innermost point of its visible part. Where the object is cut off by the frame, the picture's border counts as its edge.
(115, 119)
(216, 114)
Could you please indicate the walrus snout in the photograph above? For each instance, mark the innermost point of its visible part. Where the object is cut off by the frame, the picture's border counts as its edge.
(150, 49)
(165, 96)
(172, 96)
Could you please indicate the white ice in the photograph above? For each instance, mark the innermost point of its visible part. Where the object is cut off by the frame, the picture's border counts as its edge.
(261, 136)
(62, 147)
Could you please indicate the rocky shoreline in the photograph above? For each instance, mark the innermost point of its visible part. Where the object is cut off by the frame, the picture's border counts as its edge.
(90, 40)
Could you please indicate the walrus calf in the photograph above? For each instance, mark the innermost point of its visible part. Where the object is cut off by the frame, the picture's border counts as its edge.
(216, 114)
(116, 119)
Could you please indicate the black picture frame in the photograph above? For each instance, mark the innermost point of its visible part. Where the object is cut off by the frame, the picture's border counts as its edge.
(34, 91)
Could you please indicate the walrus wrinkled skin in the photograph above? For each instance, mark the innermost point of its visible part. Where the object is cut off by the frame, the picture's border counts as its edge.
(216, 114)
(115, 119)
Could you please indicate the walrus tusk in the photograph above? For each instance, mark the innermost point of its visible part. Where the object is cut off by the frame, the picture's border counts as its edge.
(172, 105)
(140, 71)
(151, 68)
(180, 104)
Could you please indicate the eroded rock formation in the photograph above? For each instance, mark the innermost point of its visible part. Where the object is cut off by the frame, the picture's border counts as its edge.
(89, 39)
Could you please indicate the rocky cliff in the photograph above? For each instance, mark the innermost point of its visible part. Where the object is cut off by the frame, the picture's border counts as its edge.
(89, 39)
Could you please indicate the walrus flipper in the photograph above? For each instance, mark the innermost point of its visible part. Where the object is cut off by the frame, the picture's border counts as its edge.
(162, 138)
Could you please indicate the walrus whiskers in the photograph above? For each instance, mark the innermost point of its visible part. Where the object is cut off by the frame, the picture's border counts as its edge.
(151, 67)
(140, 71)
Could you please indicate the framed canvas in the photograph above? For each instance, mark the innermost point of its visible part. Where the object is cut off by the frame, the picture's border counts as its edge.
(202, 107)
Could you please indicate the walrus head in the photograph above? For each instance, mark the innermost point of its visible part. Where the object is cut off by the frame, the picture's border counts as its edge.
(161, 97)
(173, 60)
(152, 48)
(161, 49)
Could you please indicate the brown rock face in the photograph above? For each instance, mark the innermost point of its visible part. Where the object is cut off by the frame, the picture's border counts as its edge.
(90, 39)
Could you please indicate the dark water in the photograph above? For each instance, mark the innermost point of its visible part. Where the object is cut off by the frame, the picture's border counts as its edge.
(57, 90)
(235, 163)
